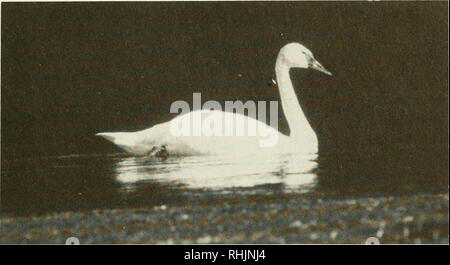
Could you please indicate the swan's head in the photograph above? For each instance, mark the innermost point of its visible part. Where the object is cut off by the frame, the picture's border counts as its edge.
(295, 55)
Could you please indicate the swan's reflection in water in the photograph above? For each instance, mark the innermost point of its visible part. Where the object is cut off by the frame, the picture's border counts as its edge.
(294, 172)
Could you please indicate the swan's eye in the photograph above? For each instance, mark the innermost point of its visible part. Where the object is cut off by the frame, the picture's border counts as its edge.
(307, 55)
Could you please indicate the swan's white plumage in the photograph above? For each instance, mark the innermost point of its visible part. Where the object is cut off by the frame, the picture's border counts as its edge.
(302, 138)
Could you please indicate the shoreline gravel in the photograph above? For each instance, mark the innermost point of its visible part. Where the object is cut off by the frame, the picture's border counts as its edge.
(253, 219)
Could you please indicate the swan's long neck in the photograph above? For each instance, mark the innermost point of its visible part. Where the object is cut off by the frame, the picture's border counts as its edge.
(298, 124)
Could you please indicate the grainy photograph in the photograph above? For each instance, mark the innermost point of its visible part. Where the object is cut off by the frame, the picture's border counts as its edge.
(224, 123)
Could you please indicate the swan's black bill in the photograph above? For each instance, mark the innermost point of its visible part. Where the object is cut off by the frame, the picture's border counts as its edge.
(314, 64)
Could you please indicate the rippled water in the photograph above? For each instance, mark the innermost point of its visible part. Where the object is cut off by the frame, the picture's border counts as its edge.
(116, 180)
(77, 182)
(220, 172)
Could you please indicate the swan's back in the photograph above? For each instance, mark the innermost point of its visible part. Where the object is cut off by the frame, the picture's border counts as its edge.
(226, 133)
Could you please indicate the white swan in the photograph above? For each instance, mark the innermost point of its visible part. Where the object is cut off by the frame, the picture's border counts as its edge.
(158, 140)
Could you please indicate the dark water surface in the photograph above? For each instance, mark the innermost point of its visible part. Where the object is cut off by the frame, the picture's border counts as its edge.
(74, 69)
(76, 182)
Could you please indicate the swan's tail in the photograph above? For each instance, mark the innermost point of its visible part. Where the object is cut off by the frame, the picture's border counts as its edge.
(108, 136)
